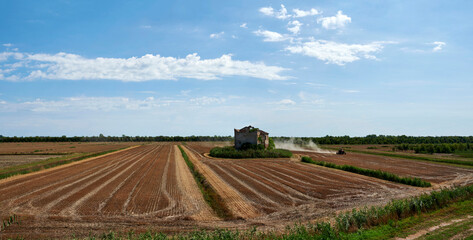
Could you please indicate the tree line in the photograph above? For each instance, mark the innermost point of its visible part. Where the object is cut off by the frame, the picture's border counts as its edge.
(436, 148)
(381, 139)
(327, 140)
(123, 138)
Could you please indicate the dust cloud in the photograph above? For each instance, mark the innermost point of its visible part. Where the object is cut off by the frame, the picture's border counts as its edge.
(306, 147)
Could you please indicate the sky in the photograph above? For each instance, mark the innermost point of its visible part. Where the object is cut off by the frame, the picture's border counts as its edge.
(291, 68)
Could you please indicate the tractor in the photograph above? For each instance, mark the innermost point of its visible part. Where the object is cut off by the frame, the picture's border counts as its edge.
(341, 152)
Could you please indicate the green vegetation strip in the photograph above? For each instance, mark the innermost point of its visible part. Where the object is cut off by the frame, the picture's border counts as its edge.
(381, 222)
(371, 173)
(231, 152)
(449, 161)
(13, 219)
(210, 195)
(48, 163)
(32, 153)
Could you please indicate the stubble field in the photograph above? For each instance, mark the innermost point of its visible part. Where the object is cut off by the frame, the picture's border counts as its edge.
(150, 187)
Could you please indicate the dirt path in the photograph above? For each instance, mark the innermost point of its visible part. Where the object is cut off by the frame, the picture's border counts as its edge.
(192, 196)
(423, 232)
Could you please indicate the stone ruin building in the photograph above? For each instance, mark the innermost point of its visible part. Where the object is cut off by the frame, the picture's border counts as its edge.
(251, 135)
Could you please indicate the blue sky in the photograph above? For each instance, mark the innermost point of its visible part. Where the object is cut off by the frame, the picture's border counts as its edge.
(293, 68)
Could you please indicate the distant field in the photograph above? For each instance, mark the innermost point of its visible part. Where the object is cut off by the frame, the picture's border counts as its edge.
(15, 160)
(61, 147)
(428, 171)
(384, 148)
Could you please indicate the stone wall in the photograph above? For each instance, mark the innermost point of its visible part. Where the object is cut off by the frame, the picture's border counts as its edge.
(245, 137)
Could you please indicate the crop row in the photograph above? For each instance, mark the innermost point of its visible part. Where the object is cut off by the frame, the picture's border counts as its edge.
(371, 173)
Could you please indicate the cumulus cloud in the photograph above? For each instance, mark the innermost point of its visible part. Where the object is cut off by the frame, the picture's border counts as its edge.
(217, 35)
(336, 53)
(7, 45)
(243, 25)
(268, 11)
(301, 13)
(281, 14)
(65, 66)
(334, 22)
(294, 27)
(270, 36)
(438, 46)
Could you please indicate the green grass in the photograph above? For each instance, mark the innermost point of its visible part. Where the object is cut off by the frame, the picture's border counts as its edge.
(416, 223)
(231, 152)
(48, 163)
(213, 199)
(465, 154)
(371, 173)
(439, 160)
(451, 230)
(13, 219)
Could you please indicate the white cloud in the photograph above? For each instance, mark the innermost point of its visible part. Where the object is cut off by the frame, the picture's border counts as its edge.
(217, 35)
(296, 27)
(310, 98)
(185, 92)
(77, 104)
(281, 14)
(286, 102)
(106, 104)
(65, 66)
(243, 25)
(7, 45)
(336, 53)
(270, 36)
(206, 100)
(145, 26)
(301, 13)
(334, 22)
(268, 11)
(438, 46)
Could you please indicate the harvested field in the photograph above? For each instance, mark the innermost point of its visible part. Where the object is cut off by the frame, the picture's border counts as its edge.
(14, 160)
(282, 189)
(376, 148)
(445, 175)
(135, 187)
(61, 147)
(151, 187)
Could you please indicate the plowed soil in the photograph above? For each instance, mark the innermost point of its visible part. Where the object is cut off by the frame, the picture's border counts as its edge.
(61, 147)
(278, 190)
(141, 187)
(440, 174)
(151, 187)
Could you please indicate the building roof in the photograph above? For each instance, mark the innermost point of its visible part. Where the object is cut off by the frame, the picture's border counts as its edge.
(249, 128)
